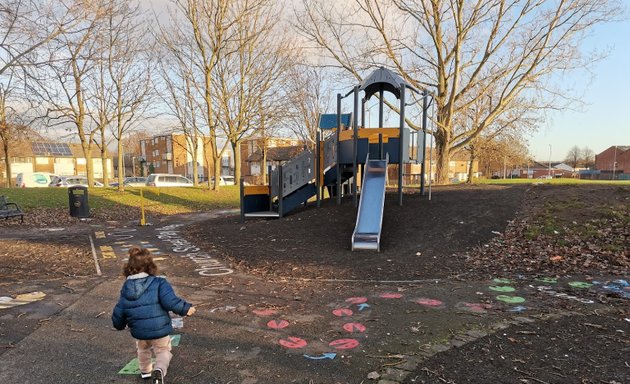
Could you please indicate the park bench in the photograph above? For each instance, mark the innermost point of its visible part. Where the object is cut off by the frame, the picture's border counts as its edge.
(8, 209)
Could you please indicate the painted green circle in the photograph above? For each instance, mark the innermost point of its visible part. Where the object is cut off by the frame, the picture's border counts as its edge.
(511, 299)
(547, 280)
(502, 281)
(580, 284)
(502, 288)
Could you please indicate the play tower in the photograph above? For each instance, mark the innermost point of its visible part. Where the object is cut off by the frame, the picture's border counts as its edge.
(350, 153)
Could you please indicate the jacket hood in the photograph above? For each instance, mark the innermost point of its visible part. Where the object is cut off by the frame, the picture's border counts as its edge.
(136, 285)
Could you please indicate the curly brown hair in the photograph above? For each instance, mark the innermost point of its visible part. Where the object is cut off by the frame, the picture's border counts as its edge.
(140, 260)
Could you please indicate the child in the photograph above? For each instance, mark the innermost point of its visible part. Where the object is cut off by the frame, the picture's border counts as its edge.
(145, 300)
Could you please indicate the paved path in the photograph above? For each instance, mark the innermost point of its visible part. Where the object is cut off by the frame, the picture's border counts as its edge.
(275, 330)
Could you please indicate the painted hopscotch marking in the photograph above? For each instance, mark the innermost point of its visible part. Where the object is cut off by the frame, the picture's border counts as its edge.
(26, 298)
(133, 367)
(107, 252)
(99, 234)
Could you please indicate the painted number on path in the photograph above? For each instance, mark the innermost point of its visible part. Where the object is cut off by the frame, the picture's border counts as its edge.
(277, 324)
(293, 342)
(340, 312)
(344, 343)
(354, 327)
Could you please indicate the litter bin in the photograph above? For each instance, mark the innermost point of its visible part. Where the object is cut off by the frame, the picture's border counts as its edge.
(78, 201)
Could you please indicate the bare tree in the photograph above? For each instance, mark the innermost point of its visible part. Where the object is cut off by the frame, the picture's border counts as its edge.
(587, 159)
(574, 156)
(11, 127)
(308, 96)
(26, 25)
(62, 81)
(462, 51)
(247, 77)
(122, 77)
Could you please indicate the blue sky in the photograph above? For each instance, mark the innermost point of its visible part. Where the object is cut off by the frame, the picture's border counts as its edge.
(605, 119)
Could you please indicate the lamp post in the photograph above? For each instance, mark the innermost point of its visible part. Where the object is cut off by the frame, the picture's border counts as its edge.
(614, 163)
(549, 172)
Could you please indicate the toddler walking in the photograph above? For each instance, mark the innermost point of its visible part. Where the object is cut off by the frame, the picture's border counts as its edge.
(145, 300)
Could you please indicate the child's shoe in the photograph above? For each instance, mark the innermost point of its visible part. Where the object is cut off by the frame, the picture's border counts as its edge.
(157, 377)
(145, 375)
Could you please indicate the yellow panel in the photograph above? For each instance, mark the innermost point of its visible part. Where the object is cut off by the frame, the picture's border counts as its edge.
(256, 190)
(371, 134)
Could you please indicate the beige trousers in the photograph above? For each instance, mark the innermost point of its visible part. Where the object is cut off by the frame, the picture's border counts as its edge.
(161, 348)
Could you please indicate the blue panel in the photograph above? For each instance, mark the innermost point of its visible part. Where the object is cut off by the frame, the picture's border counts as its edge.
(329, 120)
(298, 197)
(255, 203)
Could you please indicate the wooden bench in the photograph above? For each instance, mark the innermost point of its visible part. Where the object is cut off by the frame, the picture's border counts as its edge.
(8, 209)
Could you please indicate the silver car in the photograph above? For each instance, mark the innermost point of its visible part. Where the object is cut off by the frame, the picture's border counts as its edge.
(72, 181)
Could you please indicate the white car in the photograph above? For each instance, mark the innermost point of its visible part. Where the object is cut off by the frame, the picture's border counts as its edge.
(33, 179)
(72, 181)
(168, 180)
(224, 180)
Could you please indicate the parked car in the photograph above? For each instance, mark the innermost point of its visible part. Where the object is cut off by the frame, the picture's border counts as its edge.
(33, 179)
(545, 177)
(168, 180)
(132, 181)
(224, 180)
(72, 181)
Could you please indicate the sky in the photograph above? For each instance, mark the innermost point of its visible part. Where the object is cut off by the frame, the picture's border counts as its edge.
(605, 119)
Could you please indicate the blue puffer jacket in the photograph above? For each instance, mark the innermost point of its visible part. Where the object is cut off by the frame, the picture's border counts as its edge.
(144, 304)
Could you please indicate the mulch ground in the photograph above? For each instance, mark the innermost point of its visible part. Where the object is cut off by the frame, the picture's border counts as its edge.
(462, 233)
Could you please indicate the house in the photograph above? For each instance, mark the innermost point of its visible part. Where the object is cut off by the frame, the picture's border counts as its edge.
(172, 153)
(275, 150)
(614, 163)
(62, 159)
(541, 169)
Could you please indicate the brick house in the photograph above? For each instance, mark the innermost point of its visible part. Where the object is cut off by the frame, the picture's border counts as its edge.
(278, 150)
(615, 161)
(172, 153)
(62, 159)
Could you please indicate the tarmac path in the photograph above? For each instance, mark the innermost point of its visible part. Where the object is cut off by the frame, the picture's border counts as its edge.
(250, 330)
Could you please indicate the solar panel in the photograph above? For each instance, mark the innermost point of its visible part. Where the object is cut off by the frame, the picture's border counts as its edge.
(51, 149)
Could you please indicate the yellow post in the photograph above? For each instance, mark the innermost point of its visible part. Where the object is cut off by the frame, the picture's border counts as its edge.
(142, 220)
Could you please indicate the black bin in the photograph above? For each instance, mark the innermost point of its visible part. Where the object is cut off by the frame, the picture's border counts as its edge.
(78, 201)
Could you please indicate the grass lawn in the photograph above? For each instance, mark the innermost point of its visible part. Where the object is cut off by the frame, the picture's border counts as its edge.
(559, 181)
(159, 200)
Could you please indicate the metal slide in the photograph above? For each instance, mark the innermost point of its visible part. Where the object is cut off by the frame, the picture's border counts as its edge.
(367, 231)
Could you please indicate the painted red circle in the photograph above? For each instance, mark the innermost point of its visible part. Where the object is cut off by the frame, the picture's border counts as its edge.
(344, 343)
(277, 324)
(429, 302)
(292, 342)
(354, 327)
(391, 295)
(340, 312)
(356, 300)
(264, 312)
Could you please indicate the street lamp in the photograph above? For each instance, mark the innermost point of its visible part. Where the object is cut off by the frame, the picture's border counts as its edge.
(549, 161)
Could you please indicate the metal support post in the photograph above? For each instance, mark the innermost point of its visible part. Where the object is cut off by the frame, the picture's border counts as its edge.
(425, 109)
(338, 167)
(401, 143)
(355, 143)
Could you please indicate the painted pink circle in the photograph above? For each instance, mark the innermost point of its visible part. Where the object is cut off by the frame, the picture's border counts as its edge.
(356, 300)
(478, 307)
(292, 342)
(354, 327)
(429, 302)
(264, 312)
(391, 295)
(277, 324)
(342, 312)
(344, 343)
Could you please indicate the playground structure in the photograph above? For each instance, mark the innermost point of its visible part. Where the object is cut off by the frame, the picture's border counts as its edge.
(338, 162)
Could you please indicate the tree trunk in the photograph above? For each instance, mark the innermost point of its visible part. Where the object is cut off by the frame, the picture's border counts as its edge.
(121, 166)
(473, 154)
(237, 161)
(7, 163)
(104, 164)
(442, 159)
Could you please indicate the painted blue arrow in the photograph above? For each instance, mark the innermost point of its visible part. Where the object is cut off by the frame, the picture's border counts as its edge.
(363, 306)
(328, 355)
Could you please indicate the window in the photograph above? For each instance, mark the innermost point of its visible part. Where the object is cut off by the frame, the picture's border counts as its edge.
(41, 160)
(21, 160)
